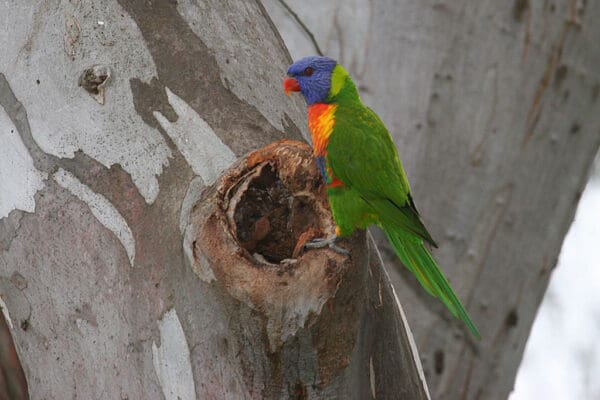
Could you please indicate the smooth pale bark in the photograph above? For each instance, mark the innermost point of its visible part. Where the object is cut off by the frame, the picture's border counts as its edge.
(494, 108)
(118, 120)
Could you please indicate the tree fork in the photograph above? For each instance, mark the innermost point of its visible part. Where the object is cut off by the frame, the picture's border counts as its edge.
(308, 324)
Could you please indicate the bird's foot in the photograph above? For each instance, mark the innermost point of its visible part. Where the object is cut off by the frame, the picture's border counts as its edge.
(319, 243)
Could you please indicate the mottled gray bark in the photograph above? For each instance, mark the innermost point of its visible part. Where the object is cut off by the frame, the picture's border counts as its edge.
(118, 120)
(494, 108)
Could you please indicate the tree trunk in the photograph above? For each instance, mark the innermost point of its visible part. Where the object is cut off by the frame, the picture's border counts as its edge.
(494, 108)
(132, 266)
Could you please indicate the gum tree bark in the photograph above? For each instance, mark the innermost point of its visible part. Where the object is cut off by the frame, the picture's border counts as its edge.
(494, 109)
(138, 258)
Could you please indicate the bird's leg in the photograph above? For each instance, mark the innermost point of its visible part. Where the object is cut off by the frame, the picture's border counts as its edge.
(319, 243)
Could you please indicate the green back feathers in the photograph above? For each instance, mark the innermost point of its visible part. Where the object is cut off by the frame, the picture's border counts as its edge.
(363, 156)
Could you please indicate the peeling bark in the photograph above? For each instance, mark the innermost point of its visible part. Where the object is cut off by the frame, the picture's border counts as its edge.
(130, 267)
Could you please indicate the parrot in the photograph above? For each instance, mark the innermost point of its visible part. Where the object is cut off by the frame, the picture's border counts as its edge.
(365, 181)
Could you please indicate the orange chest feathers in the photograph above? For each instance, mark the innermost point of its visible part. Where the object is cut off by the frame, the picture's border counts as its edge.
(321, 118)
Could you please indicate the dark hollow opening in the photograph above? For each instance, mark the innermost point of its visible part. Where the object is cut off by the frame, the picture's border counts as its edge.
(438, 358)
(511, 319)
(270, 219)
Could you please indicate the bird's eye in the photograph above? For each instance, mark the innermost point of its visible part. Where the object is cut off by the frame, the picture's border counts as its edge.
(308, 71)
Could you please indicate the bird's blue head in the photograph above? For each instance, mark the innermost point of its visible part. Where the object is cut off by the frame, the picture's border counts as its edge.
(312, 77)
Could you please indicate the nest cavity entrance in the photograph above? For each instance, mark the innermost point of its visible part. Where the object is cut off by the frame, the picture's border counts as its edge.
(269, 218)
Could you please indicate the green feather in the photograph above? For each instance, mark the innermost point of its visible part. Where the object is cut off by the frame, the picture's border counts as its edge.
(404, 217)
(363, 156)
(417, 259)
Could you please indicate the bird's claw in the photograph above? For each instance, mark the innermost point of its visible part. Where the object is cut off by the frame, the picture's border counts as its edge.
(319, 243)
(339, 250)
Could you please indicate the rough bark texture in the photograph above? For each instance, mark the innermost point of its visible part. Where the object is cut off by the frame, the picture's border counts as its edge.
(494, 108)
(117, 118)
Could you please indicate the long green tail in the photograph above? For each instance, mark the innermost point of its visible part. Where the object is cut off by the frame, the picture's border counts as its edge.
(417, 259)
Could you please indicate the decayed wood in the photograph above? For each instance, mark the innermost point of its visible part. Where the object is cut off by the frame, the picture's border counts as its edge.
(13, 385)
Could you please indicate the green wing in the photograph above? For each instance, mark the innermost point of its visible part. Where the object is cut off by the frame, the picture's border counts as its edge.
(405, 217)
(361, 154)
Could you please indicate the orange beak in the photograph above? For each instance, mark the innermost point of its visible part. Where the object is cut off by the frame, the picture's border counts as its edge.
(290, 85)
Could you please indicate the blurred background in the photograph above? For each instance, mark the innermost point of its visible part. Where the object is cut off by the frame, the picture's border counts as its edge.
(562, 356)
(417, 63)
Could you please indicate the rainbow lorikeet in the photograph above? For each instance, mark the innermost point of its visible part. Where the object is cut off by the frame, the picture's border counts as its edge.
(366, 183)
